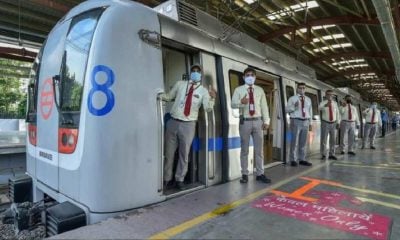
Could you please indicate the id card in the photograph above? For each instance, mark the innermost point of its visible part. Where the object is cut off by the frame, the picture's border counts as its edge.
(251, 107)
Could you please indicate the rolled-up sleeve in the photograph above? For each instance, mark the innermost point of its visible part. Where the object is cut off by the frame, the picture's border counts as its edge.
(290, 106)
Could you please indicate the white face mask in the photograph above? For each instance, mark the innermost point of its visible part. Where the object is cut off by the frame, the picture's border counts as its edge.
(329, 98)
(373, 106)
(249, 80)
(195, 76)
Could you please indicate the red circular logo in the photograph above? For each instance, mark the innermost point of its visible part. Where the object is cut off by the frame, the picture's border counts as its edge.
(46, 98)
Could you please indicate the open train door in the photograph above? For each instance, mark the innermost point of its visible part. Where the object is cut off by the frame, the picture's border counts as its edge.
(232, 75)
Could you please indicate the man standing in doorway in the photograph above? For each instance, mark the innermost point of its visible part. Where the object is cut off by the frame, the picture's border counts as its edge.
(330, 118)
(300, 109)
(350, 120)
(254, 118)
(372, 119)
(180, 130)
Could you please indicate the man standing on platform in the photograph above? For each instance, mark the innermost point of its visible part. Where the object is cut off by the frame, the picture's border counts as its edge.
(349, 122)
(372, 119)
(300, 109)
(330, 119)
(254, 118)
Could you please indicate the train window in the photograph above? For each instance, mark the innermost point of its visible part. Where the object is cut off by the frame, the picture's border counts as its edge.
(32, 87)
(235, 80)
(314, 102)
(74, 60)
(289, 92)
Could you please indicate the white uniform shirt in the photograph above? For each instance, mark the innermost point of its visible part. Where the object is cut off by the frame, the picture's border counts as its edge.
(368, 116)
(260, 102)
(344, 114)
(179, 93)
(297, 112)
(325, 111)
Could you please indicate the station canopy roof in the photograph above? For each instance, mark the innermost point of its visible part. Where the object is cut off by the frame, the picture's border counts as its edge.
(350, 43)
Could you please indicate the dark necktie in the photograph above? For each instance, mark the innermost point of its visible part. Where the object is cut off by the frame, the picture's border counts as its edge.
(251, 102)
(350, 115)
(302, 107)
(188, 103)
(373, 116)
(330, 111)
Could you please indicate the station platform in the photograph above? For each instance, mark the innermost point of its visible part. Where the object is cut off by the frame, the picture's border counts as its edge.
(12, 142)
(355, 197)
(12, 154)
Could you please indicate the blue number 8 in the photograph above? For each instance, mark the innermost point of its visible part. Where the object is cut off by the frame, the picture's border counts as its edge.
(104, 88)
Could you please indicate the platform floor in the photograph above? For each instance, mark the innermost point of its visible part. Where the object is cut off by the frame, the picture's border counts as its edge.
(356, 197)
(12, 142)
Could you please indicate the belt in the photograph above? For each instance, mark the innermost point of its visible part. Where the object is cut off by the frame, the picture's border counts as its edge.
(179, 120)
(370, 123)
(347, 121)
(252, 119)
(301, 119)
(328, 121)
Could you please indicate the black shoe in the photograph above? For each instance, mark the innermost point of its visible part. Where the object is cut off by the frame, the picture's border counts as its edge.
(342, 152)
(180, 185)
(305, 163)
(167, 184)
(244, 179)
(351, 153)
(372, 147)
(263, 178)
(323, 157)
(332, 157)
(293, 163)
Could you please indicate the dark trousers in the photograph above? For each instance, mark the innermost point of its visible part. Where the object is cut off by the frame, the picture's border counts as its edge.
(384, 126)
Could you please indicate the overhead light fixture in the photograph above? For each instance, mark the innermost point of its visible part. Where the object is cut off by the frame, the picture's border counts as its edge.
(289, 11)
(249, 1)
(329, 37)
(343, 45)
(348, 61)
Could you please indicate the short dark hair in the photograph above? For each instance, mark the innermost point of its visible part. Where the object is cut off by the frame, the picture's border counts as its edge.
(329, 91)
(301, 84)
(347, 96)
(249, 69)
(195, 66)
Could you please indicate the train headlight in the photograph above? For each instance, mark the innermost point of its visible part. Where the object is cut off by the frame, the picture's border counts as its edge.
(71, 140)
(67, 139)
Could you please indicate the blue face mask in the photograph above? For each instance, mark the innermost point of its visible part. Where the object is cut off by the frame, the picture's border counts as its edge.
(249, 80)
(195, 76)
(373, 106)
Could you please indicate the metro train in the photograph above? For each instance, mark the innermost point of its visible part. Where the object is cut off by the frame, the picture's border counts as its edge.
(96, 124)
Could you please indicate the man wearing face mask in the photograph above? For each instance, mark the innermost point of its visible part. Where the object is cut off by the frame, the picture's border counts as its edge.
(349, 117)
(189, 97)
(300, 109)
(330, 119)
(372, 119)
(254, 118)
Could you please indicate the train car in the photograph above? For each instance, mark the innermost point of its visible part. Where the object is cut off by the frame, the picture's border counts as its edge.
(96, 124)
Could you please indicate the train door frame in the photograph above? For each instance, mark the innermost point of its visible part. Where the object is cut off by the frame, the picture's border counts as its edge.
(277, 152)
(47, 149)
(315, 121)
(199, 175)
(231, 136)
(287, 83)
